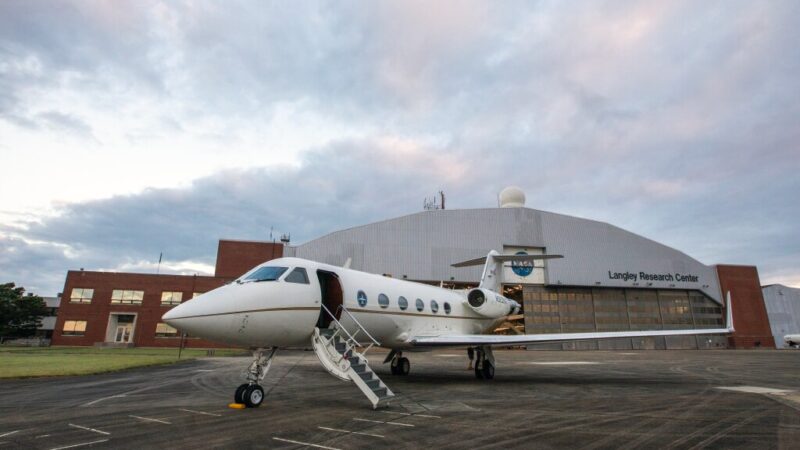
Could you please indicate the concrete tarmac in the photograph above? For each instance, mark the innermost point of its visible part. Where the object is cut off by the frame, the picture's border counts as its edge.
(538, 399)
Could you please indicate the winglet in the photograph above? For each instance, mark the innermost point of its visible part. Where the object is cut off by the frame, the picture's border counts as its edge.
(729, 313)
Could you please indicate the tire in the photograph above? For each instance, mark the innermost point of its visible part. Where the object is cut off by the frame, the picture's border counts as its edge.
(403, 366)
(488, 370)
(238, 397)
(395, 368)
(478, 373)
(253, 396)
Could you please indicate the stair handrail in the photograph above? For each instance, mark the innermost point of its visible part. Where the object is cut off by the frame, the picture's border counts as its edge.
(339, 324)
(361, 327)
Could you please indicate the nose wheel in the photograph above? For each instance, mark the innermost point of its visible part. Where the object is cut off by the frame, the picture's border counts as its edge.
(251, 394)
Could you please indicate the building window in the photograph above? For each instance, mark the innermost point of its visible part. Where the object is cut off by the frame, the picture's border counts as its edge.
(164, 330)
(74, 328)
(383, 300)
(81, 295)
(171, 298)
(195, 294)
(446, 308)
(403, 303)
(362, 299)
(298, 275)
(124, 297)
(434, 306)
(420, 305)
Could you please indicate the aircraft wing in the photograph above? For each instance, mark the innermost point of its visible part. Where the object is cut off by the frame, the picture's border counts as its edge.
(493, 339)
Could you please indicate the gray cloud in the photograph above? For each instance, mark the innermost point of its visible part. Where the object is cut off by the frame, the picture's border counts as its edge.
(676, 120)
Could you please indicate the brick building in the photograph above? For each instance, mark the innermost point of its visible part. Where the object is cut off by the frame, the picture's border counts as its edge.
(125, 309)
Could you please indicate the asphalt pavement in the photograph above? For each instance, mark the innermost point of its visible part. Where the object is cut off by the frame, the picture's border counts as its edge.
(538, 399)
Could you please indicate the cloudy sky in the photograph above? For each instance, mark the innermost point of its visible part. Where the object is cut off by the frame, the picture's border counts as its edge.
(128, 129)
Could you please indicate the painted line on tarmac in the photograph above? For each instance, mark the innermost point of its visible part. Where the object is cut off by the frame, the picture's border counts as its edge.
(150, 419)
(42, 436)
(89, 429)
(304, 443)
(102, 399)
(412, 414)
(562, 363)
(80, 445)
(351, 432)
(381, 421)
(9, 433)
(755, 390)
(200, 412)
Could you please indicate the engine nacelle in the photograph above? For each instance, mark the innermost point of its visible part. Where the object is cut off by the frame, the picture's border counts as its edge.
(490, 304)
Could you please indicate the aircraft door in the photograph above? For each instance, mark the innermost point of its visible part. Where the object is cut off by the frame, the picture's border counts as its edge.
(331, 290)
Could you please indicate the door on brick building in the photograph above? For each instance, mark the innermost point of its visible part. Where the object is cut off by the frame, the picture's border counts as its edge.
(120, 328)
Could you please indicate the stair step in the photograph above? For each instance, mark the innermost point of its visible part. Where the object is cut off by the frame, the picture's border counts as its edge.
(359, 367)
(373, 384)
(380, 392)
(366, 376)
(327, 332)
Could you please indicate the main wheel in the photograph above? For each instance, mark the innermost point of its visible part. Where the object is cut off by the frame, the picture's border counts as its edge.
(403, 366)
(488, 370)
(395, 368)
(238, 397)
(478, 372)
(253, 396)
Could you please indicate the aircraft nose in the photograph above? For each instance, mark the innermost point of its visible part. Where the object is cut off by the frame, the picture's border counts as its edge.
(173, 315)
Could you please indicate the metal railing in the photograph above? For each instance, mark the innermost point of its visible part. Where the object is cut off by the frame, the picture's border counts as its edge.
(351, 338)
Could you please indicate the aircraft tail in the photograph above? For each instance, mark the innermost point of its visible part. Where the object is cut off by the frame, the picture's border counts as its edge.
(493, 266)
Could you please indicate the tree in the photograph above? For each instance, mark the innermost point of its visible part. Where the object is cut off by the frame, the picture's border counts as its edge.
(20, 314)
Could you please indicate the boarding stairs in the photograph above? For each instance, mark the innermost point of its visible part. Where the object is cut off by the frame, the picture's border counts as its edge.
(343, 357)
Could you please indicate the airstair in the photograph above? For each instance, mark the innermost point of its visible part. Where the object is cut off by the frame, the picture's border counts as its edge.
(338, 351)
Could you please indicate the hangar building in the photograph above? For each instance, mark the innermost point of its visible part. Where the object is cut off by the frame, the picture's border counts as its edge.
(609, 279)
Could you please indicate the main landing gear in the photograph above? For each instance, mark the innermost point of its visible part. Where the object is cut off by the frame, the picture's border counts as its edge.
(484, 363)
(399, 365)
(250, 393)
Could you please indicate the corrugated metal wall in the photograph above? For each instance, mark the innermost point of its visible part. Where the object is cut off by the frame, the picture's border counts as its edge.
(783, 309)
(422, 246)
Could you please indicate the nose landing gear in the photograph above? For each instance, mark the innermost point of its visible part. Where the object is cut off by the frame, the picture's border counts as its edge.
(250, 393)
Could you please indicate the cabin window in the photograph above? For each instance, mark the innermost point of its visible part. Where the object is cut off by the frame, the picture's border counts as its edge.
(403, 303)
(383, 300)
(298, 275)
(434, 306)
(446, 308)
(362, 299)
(420, 305)
(266, 273)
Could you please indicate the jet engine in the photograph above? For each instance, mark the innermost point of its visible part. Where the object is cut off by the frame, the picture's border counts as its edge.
(490, 304)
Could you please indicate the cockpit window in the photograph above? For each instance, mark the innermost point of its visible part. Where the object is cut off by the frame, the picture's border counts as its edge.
(298, 275)
(266, 273)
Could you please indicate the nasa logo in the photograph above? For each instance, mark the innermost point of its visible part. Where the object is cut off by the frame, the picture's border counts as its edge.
(362, 299)
(522, 268)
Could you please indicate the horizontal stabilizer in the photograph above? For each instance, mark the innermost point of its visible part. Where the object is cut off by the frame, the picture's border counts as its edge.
(502, 258)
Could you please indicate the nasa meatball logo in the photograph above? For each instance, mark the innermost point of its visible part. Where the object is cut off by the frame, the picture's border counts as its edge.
(362, 299)
(522, 268)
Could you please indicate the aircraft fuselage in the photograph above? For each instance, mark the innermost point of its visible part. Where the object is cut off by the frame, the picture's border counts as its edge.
(284, 314)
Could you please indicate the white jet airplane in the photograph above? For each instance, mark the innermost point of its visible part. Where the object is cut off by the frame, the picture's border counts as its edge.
(342, 313)
(792, 340)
